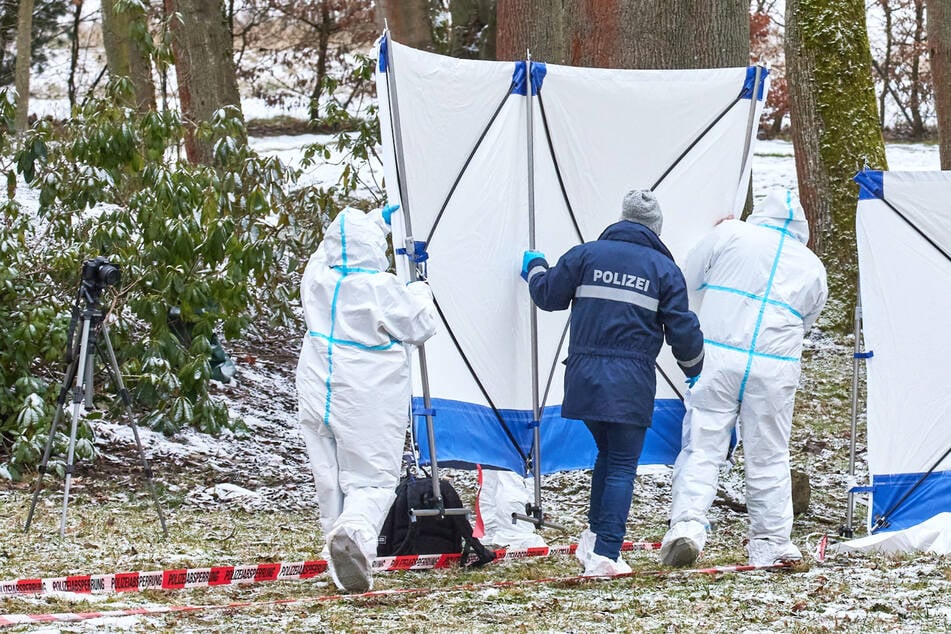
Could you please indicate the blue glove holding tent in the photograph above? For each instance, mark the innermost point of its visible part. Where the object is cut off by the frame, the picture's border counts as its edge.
(388, 213)
(527, 259)
(692, 380)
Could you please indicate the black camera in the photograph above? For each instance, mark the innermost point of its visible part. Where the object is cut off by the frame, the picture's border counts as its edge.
(99, 273)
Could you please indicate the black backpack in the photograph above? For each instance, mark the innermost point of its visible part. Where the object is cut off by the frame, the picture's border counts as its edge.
(428, 535)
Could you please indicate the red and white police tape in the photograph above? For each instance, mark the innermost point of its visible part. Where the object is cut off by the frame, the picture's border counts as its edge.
(20, 619)
(185, 578)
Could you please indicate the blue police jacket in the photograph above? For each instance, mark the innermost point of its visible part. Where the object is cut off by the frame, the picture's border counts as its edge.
(626, 295)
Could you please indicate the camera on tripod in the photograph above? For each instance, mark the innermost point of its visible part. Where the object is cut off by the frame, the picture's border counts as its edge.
(88, 319)
(99, 273)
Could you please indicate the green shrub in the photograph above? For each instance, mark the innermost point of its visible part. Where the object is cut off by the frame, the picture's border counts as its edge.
(223, 244)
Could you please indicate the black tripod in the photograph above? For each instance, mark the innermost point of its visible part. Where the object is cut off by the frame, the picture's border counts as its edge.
(79, 370)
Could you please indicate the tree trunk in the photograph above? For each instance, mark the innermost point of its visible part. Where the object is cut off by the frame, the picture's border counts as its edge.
(123, 30)
(834, 131)
(914, 104)
(204, 66)
(535, 26)
(650, 34)
(408, 21)
(884, 67)
(74, 52)
(22, 72)
(939, 52)
(324, 29)
(473, 29)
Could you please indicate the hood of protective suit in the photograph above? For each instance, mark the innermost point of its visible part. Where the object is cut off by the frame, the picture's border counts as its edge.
(780, 209)
(357, 240)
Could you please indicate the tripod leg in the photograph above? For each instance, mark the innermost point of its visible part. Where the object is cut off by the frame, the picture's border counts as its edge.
(41, 470)
(87, 380)
(113, 365)
(78, 390)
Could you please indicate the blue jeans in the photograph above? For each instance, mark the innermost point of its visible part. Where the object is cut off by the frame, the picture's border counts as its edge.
(612, 482)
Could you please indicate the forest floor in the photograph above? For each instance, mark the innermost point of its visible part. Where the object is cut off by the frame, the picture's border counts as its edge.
(249, 498)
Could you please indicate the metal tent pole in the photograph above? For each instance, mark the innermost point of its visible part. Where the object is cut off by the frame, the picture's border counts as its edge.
(751, 120)
(410, 246)
(535, 514)
(846, 530)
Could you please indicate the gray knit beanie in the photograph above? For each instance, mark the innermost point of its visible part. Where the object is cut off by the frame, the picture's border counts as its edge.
(641, 206)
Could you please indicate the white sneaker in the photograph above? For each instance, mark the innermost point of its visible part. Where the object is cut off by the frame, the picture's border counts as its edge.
(683, 543)
(764, 552)
(349, 565)
(600, 566)
(585, 545)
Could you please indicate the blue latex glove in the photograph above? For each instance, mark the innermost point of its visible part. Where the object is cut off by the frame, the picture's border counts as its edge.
(692, 380)
(527, 258)
(388, 213)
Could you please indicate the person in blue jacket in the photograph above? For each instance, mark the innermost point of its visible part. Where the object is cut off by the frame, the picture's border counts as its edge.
(627, 296)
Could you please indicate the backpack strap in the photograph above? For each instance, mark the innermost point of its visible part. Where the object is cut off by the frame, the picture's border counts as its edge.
(473, 545)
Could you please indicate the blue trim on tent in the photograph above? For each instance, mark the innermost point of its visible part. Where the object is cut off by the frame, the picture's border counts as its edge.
(383, 62)
(539, 70)
(932, 496)
(747, 92)
(871, 184)
(470, 433)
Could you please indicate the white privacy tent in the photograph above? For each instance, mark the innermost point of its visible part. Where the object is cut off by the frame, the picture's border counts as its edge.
(903, 231)
(485, 167)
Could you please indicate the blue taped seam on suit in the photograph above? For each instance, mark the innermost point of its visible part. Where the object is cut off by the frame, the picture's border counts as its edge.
(769, 288)
(346, 270)
(932, 496)
(728, 289)
(471, 433)
(764, 355)
(353, 344)
(333, 321)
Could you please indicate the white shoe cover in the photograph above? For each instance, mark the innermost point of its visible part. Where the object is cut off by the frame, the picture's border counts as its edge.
(526, 540)
(585, 546)
(349, 565)
(763, 552)
(600, 566)
(683, 543)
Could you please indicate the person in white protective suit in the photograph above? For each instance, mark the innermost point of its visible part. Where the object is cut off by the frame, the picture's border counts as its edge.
(761, 291)
(353, 384)
(501, 493)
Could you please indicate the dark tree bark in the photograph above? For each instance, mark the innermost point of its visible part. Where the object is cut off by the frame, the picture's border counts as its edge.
(74, 52)
(915, 99)
(408, 21)
(535, 26)
(204, 66)
(124, 28)
(939, 50)
(835, 132)
(324, 28)
(626, 33)
(884, 68)
(473, 29)
(650, 34)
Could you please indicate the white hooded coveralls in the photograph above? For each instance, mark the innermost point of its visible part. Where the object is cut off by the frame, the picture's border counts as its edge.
(353, 378)
(761, 291)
